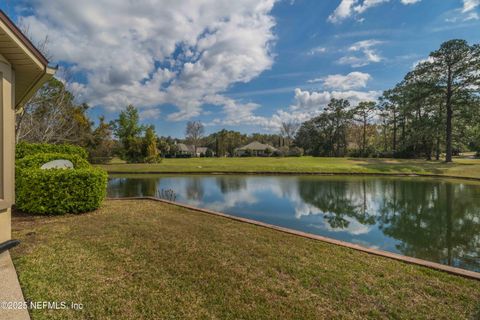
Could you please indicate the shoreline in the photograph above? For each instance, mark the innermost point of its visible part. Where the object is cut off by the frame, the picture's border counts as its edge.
(293, 173)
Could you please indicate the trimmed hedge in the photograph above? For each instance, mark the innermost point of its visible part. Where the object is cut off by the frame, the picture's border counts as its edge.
(24, 149)
(37, 160)
(58, 191)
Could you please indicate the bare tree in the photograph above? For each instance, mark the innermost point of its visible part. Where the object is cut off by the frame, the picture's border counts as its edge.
(52, 116)
(194, 133)
(288, 130)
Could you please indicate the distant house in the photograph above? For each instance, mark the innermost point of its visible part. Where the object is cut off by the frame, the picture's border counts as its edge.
(256, 149)
(189, 150)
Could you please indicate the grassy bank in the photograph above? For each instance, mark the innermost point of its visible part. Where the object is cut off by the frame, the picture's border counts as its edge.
(148, 260)
(460, 168)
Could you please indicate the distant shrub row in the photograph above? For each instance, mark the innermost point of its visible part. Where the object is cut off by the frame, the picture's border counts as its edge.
(57, 191)
(24, 149)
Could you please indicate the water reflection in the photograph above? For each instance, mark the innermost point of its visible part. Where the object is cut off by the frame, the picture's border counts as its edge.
(432, 219)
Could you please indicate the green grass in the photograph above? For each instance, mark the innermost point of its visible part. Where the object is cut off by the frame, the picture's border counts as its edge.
(460, 168)
(148, 260)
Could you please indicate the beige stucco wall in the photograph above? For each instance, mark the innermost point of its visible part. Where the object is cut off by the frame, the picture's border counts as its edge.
(5, 225)
(7, 147)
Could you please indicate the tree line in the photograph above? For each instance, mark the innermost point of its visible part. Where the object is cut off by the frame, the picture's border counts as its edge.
(52, 116)
(433, 111)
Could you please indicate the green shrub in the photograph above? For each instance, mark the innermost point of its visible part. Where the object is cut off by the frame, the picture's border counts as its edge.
(58, 191)
(24, 149)
(37, 160)
(153, 159)
(295, 152)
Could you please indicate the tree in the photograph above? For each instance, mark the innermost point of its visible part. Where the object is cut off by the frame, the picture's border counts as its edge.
(194, 133)
(101, 146)
(288, 130)
(150, 145)
(340, 118)
(128, 130)
(363, 113)
(326, 134)
(52, 116)
(455, 68)
(224, 142)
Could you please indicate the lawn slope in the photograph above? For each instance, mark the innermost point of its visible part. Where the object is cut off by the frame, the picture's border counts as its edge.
(149, 260)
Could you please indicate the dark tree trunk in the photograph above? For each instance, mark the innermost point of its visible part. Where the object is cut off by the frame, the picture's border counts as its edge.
(394, 131)
(364, 134)
(428, 150)
(448, 157)
(437, 149)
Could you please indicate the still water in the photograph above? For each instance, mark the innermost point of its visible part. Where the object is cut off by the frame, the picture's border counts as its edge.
(431, 219)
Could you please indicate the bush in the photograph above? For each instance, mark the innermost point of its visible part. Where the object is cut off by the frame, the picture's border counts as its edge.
(288, 152)
(153, 159)
(37, 160)
(295, 152)
(24, 149)
(58, 191)
(209, 153)
(281, 152)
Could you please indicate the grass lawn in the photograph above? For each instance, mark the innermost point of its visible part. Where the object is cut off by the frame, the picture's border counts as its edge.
(148, 260)
(460, 168)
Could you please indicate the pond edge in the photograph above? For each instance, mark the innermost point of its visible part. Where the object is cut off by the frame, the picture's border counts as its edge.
(410, 260)
(293, 173)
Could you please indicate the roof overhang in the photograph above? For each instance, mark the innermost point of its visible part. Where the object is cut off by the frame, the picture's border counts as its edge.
(30, 65)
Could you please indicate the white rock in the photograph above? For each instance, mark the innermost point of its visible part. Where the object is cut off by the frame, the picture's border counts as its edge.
(58, 164)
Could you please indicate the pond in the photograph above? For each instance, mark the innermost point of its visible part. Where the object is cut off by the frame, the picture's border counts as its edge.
(426, 218)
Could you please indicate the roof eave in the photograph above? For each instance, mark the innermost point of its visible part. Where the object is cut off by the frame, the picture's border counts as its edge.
(47, 74)
(23, 39)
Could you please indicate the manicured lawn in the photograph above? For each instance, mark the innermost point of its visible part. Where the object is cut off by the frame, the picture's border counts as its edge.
(148, 260)
(460, 168)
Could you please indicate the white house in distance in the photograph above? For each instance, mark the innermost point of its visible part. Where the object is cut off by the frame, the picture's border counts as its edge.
(255, 149)
(23, 69)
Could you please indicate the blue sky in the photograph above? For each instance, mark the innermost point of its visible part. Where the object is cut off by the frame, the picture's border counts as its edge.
(247, 65)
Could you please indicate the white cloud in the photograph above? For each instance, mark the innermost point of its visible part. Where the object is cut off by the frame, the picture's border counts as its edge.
(306, 105)
(144, 54)
(317, 101)
(353, 80)
(149, 114)
(416, 63)
(465, 13)
(317, 50)
(348, 8)
(368, 54)
(469, 5)
(367, 4)
(343, 11)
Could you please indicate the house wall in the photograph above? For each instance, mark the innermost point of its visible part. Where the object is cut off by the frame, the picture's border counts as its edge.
(5, 225)
(7, 147)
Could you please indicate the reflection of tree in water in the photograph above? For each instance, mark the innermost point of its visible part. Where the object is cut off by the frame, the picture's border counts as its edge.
(434, 220)
(194, 188)
(338, 200)
(131, 187)
(228, 184)
(439, 221)
(149, 187)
